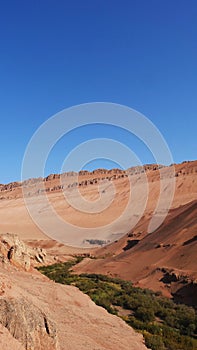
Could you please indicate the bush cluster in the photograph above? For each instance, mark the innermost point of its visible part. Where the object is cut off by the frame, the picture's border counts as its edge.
(164, 324)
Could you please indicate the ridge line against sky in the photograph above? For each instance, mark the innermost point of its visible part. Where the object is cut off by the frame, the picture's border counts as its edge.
(54, 55)
(97, 169)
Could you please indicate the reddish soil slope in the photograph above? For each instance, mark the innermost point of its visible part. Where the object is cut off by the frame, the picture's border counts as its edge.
(164, 259)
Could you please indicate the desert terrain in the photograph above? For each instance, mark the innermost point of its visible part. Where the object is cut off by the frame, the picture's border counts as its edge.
(115, 207)
(107, 214)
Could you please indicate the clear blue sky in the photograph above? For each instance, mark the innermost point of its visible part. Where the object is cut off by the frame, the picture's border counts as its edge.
(55, 54)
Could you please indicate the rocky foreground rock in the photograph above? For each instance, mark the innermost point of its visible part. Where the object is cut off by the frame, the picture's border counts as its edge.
(12, 249)
(38, 314)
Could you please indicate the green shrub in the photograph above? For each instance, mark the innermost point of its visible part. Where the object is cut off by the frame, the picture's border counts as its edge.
(145, 314)
(154, 342)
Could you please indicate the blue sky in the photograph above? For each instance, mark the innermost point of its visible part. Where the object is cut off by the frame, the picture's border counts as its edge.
(56, 54)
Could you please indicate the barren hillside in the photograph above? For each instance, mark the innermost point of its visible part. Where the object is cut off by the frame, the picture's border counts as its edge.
(163, 259)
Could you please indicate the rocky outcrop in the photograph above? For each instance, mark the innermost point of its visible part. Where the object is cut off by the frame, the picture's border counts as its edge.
(10, 186)
(12, 249)
(24, 321)
(52, 177)
(28, 324)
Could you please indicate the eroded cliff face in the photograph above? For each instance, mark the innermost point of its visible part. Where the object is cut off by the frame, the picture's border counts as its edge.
(12, 249)
(38, 314)
(24, 321)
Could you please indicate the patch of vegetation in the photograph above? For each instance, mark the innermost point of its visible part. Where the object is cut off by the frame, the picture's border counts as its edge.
(164, 324)
(96, 241)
